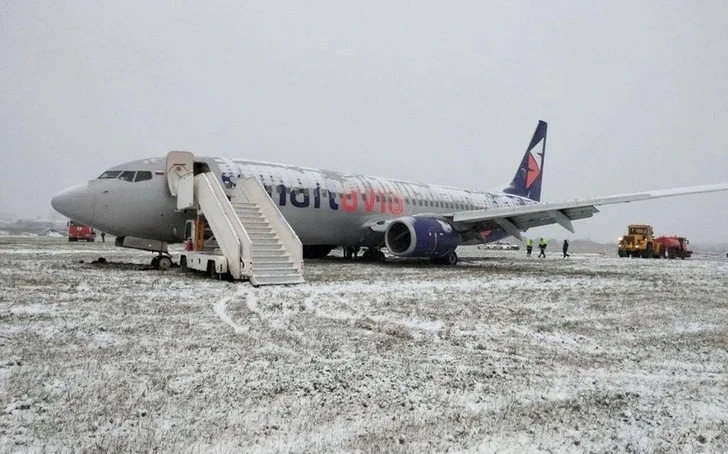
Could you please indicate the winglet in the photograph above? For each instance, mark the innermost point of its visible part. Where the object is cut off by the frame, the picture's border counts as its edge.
(527, 181)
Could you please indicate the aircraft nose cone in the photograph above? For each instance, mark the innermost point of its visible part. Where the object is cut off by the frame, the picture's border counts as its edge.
(76, 203)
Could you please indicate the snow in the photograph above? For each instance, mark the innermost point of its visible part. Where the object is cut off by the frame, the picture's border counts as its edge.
(500, 353)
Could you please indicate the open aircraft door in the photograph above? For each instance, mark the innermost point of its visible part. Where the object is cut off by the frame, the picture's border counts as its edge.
(180, 178)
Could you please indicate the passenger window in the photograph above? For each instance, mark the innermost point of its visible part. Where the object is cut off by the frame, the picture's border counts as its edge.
(143, 175)
(127, 175)
(109, 174)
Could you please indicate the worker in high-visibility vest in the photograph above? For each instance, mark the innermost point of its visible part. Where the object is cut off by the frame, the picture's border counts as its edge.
(529, 247)
(542, 245)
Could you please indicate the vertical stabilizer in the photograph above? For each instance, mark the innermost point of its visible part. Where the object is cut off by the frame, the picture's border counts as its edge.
(527, 181)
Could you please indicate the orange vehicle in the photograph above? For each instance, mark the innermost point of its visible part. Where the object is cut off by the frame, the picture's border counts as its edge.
(80, 232)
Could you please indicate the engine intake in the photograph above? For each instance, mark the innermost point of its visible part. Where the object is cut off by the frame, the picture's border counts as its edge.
(414, 236)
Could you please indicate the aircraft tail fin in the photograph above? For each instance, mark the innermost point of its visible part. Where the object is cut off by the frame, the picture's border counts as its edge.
(527, 181)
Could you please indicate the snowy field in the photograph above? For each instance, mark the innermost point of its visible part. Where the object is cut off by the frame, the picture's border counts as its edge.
(500, 353)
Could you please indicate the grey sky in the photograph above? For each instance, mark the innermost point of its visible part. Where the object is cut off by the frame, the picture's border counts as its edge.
(439, 92)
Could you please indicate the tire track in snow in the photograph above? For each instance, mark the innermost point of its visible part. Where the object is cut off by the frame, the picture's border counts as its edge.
(220, 310)
(251, 302)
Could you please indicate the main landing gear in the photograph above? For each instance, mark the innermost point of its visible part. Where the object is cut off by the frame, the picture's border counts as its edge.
(448, 259)
(373, 255)
(316, 251)
(162, 261)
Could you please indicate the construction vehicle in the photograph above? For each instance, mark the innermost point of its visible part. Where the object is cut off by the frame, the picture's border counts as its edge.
(641, 242)
(638, 242)
(80, 232)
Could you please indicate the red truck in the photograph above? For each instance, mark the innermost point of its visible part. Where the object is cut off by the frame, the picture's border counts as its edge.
(80, 232)
(671, 247)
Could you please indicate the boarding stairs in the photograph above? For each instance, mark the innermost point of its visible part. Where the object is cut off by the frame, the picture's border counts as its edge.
(249, 229)
(277, 253)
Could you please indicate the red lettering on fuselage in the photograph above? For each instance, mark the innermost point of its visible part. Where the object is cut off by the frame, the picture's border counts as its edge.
(369, 201)
(395, 204)
(350, 201)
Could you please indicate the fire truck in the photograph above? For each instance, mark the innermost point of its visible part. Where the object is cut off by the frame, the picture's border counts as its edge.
(80, 232)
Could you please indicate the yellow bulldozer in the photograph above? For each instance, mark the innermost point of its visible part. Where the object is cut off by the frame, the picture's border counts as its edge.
(638, 242)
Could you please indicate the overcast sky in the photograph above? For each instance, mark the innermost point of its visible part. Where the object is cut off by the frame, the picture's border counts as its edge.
(635, 93)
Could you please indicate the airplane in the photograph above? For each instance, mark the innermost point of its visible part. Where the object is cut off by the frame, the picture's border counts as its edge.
(329, 209)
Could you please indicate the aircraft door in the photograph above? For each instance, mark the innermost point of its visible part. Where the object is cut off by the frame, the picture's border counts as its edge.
(180, 178)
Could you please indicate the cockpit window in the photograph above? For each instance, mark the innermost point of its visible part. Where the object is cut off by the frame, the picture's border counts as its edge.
(143, 175)
(127, 175)
(110, 174)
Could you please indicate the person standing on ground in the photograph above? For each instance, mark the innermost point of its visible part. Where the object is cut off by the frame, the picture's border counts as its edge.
(542, 245)
(565, 248)
(103, 237)
(529, 247)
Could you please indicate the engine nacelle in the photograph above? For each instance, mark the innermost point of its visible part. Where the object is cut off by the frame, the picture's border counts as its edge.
(414, 236)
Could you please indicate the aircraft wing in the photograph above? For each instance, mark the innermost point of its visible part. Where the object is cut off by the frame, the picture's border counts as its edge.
(516, 219)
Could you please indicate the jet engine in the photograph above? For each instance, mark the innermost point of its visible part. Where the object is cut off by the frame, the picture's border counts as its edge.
(418, 236)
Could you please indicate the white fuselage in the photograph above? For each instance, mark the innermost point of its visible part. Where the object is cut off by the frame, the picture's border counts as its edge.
(323, 207)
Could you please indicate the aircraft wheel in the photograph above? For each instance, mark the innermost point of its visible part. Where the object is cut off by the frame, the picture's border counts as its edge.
(165, 263)
(451, 258)
(374, 256)
(155, 262)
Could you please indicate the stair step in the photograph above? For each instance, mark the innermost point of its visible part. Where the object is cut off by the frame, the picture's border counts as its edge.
(255, 223)
(273, 271)
(273, 253)
(261, 229)
(269, 257)
(277, 279)
(261, 241)
(261, 265)
(267, 248)
(262, 236)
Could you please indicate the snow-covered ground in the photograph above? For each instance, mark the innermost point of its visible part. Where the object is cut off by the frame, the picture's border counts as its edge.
(500, 353)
